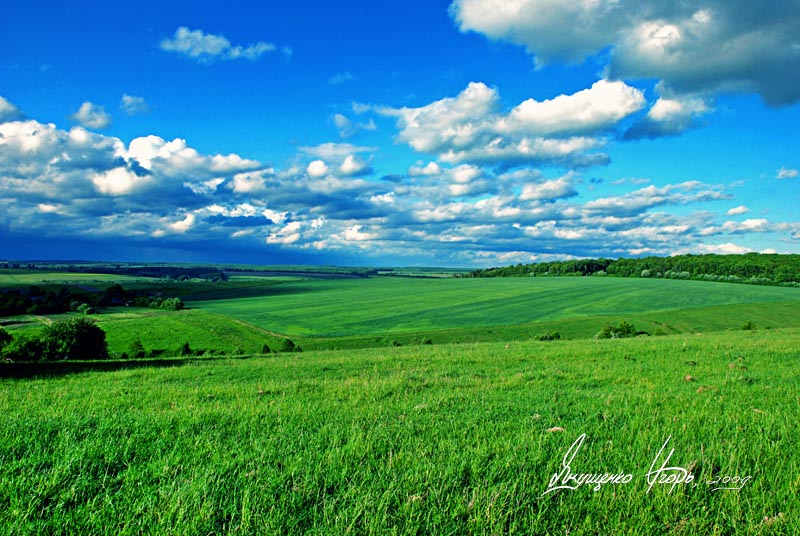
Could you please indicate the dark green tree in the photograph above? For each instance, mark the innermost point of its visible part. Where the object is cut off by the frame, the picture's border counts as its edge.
(74, 338)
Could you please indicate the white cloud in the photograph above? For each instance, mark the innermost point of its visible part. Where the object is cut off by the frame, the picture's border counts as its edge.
(132, 105)
(208, 48)
(348, 129)
(353, 166)
(471, 128)
(560, 188)
(758, 225)
(741, 209)
(317, 168)
(117, 181)
(670, 115)
(694, 46)
(355, 233)
(288, 234)
(431, 168)
(335, 151)
(92, 116)
(649, 197)
(183, 225)
(588, 110)
(787, 173)
(9, 112)
(728, 248)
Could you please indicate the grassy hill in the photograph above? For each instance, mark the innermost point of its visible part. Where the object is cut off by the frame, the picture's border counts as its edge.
(375, 311)
(450, 439)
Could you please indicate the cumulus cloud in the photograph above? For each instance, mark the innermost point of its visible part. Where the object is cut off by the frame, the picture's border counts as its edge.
(550, 190)
(352, 166)
(431, 168)
(649, 197)
(692, 46)
(209, 48)
(741, 209)
(317, 168)
(9, 112)
(132, 105)
(77, 183)
(471, 127)
(787, 173)
(670, 115)
(92, 116)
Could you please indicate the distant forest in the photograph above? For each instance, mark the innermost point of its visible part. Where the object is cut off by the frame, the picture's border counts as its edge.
(751, 268)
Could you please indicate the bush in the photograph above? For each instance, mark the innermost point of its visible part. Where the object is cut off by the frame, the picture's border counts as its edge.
(74, 338)
(552, 336)
(624, 330)
(288, 346)
(5, 338)
(172, 304)
(185, 350)
(137, 350)
(749, 326)
(24, 348)
(265, 349)
(85, 309)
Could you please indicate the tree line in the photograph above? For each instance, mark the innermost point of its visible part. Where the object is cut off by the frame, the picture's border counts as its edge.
(751, 268)
(36, 300)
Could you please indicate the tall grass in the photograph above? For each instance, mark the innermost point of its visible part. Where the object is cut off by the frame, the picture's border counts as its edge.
(451, 439)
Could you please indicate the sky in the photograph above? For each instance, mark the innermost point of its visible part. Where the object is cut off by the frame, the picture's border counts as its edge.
(467, 133)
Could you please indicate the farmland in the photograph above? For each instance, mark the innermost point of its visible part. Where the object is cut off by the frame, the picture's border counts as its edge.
(418, 406)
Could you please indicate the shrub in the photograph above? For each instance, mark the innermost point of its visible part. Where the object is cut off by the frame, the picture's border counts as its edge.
(749, 326)
(85, 309)
(137, 350)
(24, 348)
(552, 336)
(171, 304)
(624, 330)
(265, 349)
(74, 338)
(287, 346)
(185, 350)
(5, 338)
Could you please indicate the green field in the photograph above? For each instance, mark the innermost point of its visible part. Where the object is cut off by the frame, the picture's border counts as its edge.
(365, 312)
(10, 278)
(418, 406)
(243, 314)
(449, 439)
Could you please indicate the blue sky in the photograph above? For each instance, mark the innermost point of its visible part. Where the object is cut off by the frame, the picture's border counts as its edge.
(462, 133)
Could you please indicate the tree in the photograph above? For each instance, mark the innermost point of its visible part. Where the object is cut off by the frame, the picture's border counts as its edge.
(5, 338)
(137, 350)
(23, 348)
(74, 338)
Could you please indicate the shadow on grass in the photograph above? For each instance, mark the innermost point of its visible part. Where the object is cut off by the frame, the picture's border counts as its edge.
(62, 368)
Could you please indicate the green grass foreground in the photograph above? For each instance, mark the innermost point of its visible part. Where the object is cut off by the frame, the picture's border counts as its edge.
(449, 439)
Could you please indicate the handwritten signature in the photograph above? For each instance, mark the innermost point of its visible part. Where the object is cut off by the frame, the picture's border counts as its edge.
(660, 473)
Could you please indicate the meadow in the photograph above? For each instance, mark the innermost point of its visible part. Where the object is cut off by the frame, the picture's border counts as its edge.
(449, 439)
(418, 406)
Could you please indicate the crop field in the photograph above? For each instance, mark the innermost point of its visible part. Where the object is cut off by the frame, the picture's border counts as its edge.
(363, 312)
(450, 439)
(10, 278)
